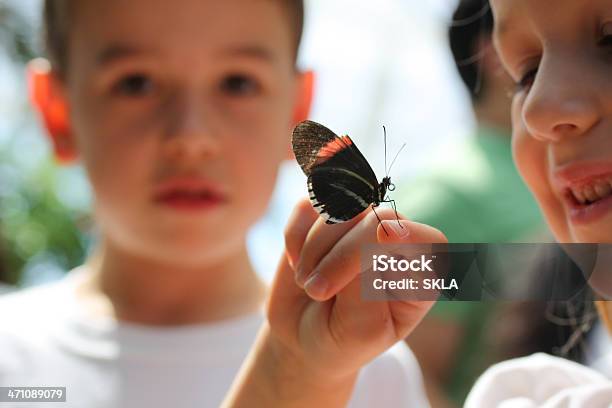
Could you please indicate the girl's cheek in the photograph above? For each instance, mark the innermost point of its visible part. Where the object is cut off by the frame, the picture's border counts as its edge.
(533, 164)
(520, 142)
(525, 154)
(531, 161)
(528, 153)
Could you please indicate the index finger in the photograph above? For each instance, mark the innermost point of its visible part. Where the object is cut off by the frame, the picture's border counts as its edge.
(300, 222)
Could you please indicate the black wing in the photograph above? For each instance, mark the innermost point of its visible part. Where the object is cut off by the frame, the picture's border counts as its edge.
(339, 194)
(314, 145)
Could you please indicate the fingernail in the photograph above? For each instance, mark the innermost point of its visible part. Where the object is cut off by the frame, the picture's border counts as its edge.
(316, 286)
(398, 227)
(290, 262)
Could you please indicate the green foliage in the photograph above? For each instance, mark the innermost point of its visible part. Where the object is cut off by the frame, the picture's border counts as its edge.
(35, 222)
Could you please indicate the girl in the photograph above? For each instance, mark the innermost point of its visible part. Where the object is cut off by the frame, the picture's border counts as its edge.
(560, 56)
(561, 60)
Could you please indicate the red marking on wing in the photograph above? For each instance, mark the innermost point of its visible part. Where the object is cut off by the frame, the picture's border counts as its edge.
(333, 147)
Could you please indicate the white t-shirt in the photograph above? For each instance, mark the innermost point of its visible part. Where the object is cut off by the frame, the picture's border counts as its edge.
(540, 381)
(599, 350)
(45, 340)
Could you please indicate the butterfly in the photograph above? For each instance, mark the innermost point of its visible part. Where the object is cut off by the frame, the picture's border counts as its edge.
(341, 182)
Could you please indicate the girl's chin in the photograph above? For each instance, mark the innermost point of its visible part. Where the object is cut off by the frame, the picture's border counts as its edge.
(600, 232)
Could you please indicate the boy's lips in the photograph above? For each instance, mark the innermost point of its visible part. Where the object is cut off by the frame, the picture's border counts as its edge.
(189, 194)
(586, 189)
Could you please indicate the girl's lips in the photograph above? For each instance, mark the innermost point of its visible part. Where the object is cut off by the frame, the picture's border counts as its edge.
(189, 194)
(581, 186)
(581, 173)
(587, 213)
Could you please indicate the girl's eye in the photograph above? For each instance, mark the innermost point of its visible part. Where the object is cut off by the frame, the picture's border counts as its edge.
(526, 80)
(239, 85)
(606, 41)
(134, 85)
(606, 35)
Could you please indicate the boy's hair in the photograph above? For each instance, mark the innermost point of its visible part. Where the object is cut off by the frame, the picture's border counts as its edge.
(472, 21)
(57, 17)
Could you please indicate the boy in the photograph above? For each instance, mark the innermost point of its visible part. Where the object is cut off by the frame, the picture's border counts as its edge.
(560, 59)
(181, 114)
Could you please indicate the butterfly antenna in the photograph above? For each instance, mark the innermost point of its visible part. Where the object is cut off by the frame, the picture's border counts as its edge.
(385, 141)
(396, 156)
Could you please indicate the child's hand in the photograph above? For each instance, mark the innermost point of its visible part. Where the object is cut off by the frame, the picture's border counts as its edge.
(315, 307)
(320, 332)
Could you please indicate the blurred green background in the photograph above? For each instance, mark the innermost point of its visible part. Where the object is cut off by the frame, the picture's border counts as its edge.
(42, 232)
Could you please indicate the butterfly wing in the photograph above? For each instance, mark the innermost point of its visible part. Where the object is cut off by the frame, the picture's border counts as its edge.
(314, 144)
(308, 139)
(338, 195)
(341, 183)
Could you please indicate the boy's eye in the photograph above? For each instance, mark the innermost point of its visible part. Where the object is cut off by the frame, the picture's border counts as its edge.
(239, 85)
(526, 80)
(134, 85)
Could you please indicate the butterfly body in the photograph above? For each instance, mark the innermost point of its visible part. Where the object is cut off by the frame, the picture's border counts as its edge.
(341, 183)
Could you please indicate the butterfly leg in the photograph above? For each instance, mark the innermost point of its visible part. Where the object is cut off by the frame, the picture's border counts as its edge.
(379, 221)
(394, 209)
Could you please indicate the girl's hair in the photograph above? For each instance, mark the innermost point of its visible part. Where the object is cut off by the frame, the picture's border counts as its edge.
(556, 327)
(472, 21)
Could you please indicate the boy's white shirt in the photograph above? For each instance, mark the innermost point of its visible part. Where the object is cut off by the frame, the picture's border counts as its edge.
(541, 381)
(45, 340)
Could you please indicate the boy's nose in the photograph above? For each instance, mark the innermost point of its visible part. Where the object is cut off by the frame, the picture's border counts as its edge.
(189, 128)
(560, 103)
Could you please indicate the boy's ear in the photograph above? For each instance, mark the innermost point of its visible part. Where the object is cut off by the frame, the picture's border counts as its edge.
(303, 100)
(49, 100)
(304, 97)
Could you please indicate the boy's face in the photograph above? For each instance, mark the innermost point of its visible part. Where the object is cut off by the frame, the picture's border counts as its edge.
(560, 54)
(181, 113)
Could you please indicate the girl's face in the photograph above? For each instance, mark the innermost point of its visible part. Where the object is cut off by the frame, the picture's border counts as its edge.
(560, 55)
